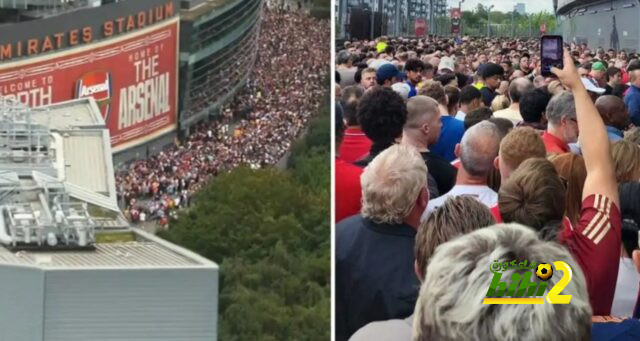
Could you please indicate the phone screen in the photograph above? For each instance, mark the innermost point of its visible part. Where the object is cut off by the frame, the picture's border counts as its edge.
(551, 54)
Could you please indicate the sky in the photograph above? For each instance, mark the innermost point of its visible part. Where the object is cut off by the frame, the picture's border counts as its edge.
(506, 5)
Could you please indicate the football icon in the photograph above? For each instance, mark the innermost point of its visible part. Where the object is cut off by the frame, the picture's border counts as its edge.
(544, 271)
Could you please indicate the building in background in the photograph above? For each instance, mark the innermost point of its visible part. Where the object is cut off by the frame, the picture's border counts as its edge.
(520, 8)
(218, 47)
(155, 67)
(71, 267)
(611, 24)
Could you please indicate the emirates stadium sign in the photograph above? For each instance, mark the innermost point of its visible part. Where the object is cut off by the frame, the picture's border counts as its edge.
(132, 77)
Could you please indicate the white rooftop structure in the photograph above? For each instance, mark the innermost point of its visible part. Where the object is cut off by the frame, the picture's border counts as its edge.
(71, 267)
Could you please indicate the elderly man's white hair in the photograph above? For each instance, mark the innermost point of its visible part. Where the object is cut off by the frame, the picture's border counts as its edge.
(479, 147)
(458, 276)
(391, 184)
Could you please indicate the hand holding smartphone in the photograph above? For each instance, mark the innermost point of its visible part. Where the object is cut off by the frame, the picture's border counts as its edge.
(551, 54)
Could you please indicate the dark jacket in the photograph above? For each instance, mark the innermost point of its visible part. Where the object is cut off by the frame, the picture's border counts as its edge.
(375, 279)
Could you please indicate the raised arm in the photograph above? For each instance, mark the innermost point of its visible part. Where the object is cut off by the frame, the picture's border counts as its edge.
(593, 136)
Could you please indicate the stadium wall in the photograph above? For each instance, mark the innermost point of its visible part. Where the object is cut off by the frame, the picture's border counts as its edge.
(607, 24)
(218, 50)
(123, 54)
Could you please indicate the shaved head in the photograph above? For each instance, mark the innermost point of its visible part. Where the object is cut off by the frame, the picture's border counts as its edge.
(613, 111)
(420, 108)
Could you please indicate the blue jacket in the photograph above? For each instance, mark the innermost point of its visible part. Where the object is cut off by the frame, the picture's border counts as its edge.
(375, 279)
(632, 101)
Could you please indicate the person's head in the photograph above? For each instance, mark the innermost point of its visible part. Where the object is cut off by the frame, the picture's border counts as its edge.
(504, 125)
(470, 98)
(520, 144)
(413, 68)
(584, 69)
(598, 72)
(630, 238)
(477, 149)
(388, 74)
(368, 78)
(533, 105)
(524, 63)
(382, 113)
(634, 73)
(613, 111)
(555, 87)
(349, 102)
(517, 74)
(492, 75)
(476, 116)
(518, 87)
(458, 215)
(561, 114)
(507, 66)
(427, 71)
(423, 120)
(614, 75)
(626, 158)
(572, 169)
(394, 186)
(500, 102)
(434, 90)
(449, 306)
(534, 195)
(344, 58)
(447, 79)
(453, 98)
(633, 135)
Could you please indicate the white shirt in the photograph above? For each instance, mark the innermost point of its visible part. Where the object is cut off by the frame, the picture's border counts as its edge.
(482, 193)
(460, 115)
(510, 114)
(624, 300)
(390, 330)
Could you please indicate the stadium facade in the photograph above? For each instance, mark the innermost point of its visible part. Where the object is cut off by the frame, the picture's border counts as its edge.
(608, 24)
(71, 267)
(219, 44)
(155, 67)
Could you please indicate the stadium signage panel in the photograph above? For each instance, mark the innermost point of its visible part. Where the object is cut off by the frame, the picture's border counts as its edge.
(87, 34)
(133, 79)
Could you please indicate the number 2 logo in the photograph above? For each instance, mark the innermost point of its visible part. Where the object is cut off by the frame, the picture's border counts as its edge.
(554, 296)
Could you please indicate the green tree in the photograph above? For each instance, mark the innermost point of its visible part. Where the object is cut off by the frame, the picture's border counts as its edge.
(269, 230)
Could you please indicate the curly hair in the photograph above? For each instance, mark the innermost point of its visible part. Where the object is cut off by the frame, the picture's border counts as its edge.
(382, 113)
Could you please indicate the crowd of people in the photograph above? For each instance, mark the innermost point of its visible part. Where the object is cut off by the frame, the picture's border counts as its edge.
(455, 154)
(286, 87)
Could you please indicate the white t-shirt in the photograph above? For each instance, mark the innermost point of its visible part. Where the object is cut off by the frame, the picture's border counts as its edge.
(510, 114)
(390, 330)
(482, 193)
(627, 286)
(460, 115)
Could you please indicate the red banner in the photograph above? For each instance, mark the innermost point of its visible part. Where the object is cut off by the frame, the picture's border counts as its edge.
(421, 27)
(133, 78)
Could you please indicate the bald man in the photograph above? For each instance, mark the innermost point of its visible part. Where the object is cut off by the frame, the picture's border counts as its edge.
(516, 89)
(614, 114)
(423, 129)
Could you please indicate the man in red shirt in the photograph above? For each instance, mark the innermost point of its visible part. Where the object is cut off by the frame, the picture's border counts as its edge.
(534, 195)
(562, 127)
(355, 144)
(348, 191)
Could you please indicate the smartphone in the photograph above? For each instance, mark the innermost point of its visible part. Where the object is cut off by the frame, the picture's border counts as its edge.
(551, 54)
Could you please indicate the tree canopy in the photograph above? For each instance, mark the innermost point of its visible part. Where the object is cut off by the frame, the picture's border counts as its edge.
(269, 230)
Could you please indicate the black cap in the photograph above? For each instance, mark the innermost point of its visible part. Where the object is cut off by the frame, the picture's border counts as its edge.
(490, 70)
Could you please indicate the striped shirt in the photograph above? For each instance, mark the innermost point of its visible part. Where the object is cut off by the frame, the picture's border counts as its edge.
(595, 244)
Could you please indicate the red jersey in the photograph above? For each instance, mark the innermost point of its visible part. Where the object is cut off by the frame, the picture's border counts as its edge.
(348, 189)
(355, 145)
(554, 145)
(595, 244)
